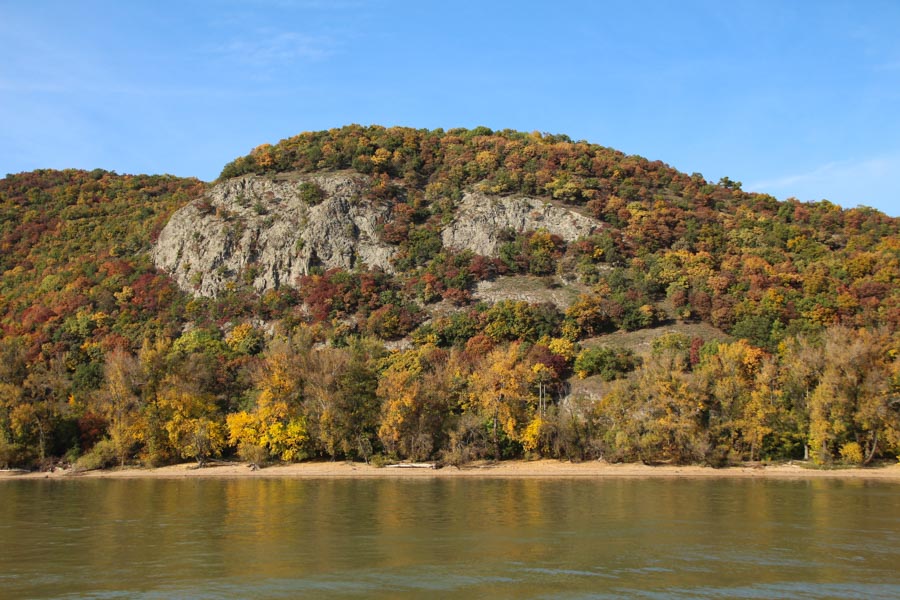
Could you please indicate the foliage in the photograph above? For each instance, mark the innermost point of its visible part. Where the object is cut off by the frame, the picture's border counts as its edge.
(103, 355)
(103, 455)
(608, 363)
(311, 193)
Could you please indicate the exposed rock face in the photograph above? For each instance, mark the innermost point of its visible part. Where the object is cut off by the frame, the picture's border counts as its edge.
(480, 218)
(527, 288)
(260, 229)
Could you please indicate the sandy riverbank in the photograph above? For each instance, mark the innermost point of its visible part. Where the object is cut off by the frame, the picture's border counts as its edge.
(507, 469)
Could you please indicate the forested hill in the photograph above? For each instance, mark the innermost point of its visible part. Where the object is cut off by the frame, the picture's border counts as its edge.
(443, 295)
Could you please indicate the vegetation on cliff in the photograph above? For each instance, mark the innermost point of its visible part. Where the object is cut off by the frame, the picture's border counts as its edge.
(102, 357)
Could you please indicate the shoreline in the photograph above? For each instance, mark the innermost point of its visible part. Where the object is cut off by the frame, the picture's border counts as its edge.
(516, 469)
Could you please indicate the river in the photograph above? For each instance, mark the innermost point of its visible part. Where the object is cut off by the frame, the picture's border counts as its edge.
(449, 538)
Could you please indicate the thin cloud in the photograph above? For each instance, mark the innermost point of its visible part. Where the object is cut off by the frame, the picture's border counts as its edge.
(31, 87)
(837, 170)
(870, 181)
(269, 49)
(887, 66)
(26, 87)
(829, 170)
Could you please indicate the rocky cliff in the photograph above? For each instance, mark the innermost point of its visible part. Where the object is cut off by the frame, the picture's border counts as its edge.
(480, 218)
(268, 230)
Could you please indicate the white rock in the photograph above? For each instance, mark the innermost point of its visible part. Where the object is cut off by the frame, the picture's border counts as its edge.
(480, 219)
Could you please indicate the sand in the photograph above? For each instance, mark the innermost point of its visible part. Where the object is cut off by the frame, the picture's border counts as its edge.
(548, 469)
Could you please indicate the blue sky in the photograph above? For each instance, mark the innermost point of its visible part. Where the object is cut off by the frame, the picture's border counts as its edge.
(793, 98)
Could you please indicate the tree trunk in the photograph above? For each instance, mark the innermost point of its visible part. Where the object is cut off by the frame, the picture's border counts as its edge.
(42, 441)
(496, 440)
(874, 448)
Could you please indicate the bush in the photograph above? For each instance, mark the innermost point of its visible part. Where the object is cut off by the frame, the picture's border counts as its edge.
(311, 193)
(607, 362)
(253, 454)
(102, 456)
(852, 453)
(380, 461)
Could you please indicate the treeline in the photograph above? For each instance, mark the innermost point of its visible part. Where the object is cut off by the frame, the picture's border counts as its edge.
(835, 396)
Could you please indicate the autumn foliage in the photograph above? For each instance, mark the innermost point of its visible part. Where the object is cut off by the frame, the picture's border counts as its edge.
(104, 361)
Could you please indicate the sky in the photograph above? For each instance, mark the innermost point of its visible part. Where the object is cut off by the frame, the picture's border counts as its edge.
(796, 98)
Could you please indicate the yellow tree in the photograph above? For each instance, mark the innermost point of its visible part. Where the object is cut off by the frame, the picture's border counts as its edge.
(43, 401)
(416, 390)
(500, 391)
(276, 424)
(653, 416)
(399, 391)
(340, 398)
(156, 363)
(762, 408)
(320, 369)
(118, 401)
(854, 409)
(192, 423)
(802, 362)
(726, 381)
(10, 396)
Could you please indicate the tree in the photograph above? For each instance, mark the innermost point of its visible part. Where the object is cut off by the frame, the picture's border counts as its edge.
(192, 423)
(725, 381)
(276, 424)
(118, 401)
(42, 404)
(340, 398)
(416, 392)
(356, 406)
(653, 415)
(853, 402)
(609, 363)
(500, 392)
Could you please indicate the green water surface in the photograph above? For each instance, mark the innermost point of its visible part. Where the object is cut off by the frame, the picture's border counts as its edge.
(290, 538)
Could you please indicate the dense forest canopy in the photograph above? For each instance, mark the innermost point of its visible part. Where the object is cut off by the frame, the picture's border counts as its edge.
(103, 360)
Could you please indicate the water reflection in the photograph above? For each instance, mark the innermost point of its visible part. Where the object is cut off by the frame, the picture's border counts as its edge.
(408, 538)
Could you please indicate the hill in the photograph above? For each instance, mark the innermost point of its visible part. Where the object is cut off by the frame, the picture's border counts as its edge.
(388, 292)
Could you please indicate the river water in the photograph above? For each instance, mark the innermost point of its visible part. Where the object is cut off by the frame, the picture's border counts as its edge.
(445, 538)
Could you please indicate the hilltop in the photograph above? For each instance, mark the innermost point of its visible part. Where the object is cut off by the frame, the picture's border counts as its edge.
(397, 293)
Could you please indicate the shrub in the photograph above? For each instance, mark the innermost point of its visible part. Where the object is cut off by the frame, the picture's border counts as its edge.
(102, 456)
(607, 362)
(253, 454)
(851, 453)
(311, 193)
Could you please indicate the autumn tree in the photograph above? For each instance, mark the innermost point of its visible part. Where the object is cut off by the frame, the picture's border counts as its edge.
(416, 392)
(653, 415)
(853, 409)
(42, 405)
(192, 422)
(736, 418)
(340, 399)
(276, 423)
(500, 391)
(119, 401)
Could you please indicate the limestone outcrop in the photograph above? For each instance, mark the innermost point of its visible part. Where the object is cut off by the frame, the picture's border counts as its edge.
(480, 219)
(269, 230)
(265, 231)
